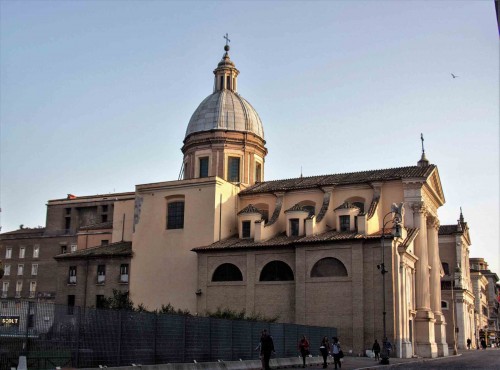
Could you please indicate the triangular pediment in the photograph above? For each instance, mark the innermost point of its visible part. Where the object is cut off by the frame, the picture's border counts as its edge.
(434, 184)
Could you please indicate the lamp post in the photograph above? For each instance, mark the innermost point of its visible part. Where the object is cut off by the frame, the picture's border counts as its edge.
(395, 220)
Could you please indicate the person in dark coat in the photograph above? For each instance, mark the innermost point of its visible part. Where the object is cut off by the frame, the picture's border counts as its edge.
(304, 349)
(266, 349)
(376, 350)
(324, 348)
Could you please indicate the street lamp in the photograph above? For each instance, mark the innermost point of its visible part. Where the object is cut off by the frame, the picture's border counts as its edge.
(396, 215)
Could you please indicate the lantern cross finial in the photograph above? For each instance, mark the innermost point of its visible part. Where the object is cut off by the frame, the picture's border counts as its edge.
(227, 39)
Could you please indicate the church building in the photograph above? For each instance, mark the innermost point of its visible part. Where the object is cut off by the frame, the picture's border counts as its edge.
(356, 251)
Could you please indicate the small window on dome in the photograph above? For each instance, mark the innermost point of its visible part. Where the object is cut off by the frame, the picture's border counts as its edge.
(258, 172)
(233, 170)
(228, 82)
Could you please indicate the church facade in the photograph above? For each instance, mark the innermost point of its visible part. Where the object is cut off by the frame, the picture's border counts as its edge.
(313, 250)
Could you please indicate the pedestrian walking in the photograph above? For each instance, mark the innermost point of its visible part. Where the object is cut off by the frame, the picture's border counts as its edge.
(376, 350)
(304, 349)
(336, 352)
(483, 343)
(324, 349)
(266, 349)
(388, 347)
(469, 342)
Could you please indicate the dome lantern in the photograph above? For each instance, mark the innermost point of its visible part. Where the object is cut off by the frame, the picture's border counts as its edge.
(225, 136)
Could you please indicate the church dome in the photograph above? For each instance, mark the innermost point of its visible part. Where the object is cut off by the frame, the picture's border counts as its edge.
(225, 110)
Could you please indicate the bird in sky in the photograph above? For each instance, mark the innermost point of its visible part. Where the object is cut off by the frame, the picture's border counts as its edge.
(452, 75)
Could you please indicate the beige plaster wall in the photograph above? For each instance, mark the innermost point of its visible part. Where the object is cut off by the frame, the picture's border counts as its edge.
(123, 210)
(164, 269)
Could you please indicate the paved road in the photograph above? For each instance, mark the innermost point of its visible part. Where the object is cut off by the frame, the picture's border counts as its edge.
(467, 360)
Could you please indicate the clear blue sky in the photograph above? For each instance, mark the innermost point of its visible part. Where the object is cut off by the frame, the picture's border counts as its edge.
(95, 96)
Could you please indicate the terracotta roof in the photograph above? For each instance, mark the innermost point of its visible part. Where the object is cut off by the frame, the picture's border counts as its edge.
(339, 179)
(249, 209)
(119, 249)
(346, 205)
(282, 241)
(447, 229)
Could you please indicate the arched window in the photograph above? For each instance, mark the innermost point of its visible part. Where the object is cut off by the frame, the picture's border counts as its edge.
(276, 271)
(444, 305)
(327, 267)
(227, 272)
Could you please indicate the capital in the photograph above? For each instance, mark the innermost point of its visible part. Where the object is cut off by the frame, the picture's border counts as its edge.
(419, 207)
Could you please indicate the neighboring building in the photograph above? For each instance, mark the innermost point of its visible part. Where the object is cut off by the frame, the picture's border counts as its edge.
(88, 276)
(456, 285)
(492, 333)
(27, 256)
(72, 223)
(480, 287)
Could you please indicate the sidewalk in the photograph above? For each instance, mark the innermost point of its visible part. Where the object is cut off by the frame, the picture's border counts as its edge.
(367, 363)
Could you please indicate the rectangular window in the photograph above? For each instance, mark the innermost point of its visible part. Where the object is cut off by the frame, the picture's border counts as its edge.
(34, 269)
(64, 249)
(104, 242)
(19, 288)
(124, 273)
(104, 208)
(36, 251)
(204, 167)
(101, 274)
(100, 302)
(32, 289)
(67, 223)
(71, 304)
(175, 215)
(5, 289)
(245, 229)
(233, 169)
(22, 252)
(20, 269)
(258, 172)
(74, 247)
(8, 253)
(7, 270)
(345, 223)
(72, 275)
(294, 227)
(104, 218)
(67, 211)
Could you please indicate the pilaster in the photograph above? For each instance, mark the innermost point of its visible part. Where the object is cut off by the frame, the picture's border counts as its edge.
(424, 322)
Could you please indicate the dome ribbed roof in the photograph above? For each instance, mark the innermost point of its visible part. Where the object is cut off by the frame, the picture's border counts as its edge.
(225, 110)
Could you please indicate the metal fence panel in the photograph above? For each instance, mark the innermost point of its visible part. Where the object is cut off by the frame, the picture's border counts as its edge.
(65, 336)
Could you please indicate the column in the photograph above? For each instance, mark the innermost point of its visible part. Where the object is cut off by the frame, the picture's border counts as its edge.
(435, 286)
(425, 345)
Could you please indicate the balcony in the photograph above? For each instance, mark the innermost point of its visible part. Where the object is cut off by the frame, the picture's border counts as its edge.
(101, 279)
(32, 295)
(18, 294)
(4, 294)
(72, 280)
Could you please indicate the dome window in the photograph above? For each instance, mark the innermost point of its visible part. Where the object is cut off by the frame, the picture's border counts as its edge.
(203, 162)
(233, 169)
